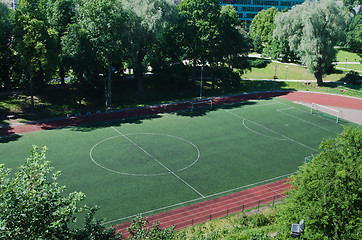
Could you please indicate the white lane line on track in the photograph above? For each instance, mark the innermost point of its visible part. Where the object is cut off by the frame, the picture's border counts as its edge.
(155, 159)
(198, 199)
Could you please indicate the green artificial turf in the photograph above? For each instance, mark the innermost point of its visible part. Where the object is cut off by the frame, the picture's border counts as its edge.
(124, 166)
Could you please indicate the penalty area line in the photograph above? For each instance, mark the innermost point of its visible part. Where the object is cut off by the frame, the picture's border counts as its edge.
(156, 160)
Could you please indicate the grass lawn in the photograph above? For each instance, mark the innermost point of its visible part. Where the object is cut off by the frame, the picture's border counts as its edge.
(357, 67)
(345, 56)
(124, 166)
(287, 72)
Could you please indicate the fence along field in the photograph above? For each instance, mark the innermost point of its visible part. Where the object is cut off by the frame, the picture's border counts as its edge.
(138, 165)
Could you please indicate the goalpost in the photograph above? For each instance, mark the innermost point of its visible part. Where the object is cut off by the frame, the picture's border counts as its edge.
(200, 104)
(315, 107)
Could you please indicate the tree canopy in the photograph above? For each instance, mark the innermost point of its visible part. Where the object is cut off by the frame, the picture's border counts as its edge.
(312, 30)
(5, 44)
(148, 18)
(262, 27)
(327, 192)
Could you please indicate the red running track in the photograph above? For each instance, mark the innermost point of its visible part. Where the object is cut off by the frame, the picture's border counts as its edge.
(217, 207)
(326, 99)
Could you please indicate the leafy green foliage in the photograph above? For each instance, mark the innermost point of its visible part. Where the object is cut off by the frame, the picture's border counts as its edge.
(35, 41)
(312, 29)
(327, 191)
(257, 63)
(61, 14)
(5, 46)
(147, 19)
(95, 43)
(198, 27)
(262, 27)
(33, 206)
(354, 34)
(138, 230)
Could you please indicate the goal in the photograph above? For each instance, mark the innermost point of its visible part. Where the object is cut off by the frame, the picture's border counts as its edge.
(326, 111)
(201, 104)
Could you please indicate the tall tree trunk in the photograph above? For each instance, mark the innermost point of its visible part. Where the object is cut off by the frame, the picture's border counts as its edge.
(61, 65)
(138, 71)
(32, 93)
(318, 76)
(194, 69)
(62, 75)
(318, 71)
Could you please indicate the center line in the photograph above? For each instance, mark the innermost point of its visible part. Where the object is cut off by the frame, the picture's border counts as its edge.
(148, 154)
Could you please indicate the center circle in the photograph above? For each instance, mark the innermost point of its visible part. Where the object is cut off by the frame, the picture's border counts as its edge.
(144, 154)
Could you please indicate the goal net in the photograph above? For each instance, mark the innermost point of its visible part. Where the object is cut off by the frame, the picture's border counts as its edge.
(201, 104)
(326, 112)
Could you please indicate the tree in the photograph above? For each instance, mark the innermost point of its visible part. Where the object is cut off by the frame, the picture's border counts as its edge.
(35, 43)
(354, 34)
(262, 27)
(95, 43)
(148, 18)
(6, 57)
(33, 206)
(233, 41)
(327, 192)
(197, 29)
(61, 13)
(312, 29)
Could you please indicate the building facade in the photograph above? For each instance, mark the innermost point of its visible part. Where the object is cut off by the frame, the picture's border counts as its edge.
(248, 9)
(11, 3)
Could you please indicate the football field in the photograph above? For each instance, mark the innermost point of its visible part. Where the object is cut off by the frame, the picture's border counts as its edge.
(155, 163)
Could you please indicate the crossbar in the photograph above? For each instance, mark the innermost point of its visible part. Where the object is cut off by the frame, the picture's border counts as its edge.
(318, 107)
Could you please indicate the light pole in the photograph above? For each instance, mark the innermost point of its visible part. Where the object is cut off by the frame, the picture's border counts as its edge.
(202, 68)
(109, 87)
(275, 71)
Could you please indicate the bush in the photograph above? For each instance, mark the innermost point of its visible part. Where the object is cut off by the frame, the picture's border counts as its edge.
(257, 63)
(352, 77)
(259, 219)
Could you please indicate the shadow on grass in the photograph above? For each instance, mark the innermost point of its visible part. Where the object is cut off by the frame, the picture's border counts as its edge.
(9, 138)
(114, 123)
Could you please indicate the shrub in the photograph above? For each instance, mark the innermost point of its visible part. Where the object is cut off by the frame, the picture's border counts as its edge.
(259, 219)
(258, 63)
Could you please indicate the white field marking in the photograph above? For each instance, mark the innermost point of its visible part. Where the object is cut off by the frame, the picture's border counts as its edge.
(259, 105)
(197, 199)
(278, 193)
(290, 139)
(251, 130)
(316, 125)
(155, 159)
(145, 175)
